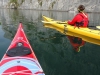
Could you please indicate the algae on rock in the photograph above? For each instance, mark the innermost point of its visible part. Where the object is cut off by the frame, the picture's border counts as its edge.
(15, 3)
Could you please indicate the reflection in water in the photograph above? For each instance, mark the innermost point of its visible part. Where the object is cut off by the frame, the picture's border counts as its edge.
(4, 43)
(55, 55)
(76, 42)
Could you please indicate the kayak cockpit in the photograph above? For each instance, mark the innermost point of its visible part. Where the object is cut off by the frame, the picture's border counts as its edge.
(19, 50)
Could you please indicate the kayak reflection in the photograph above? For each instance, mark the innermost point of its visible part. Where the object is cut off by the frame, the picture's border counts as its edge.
(76, 42)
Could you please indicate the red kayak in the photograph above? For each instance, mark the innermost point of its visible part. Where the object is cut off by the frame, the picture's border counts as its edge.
(19, 58)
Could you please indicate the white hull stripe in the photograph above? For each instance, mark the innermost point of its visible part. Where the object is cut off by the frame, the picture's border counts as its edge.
(32, 66)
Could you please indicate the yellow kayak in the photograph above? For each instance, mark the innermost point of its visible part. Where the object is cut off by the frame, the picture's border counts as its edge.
(87, 34)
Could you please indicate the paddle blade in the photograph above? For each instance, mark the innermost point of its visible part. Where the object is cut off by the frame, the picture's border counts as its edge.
(98, 27)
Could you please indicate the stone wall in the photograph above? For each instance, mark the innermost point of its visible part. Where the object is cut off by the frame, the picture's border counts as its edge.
(59, 5)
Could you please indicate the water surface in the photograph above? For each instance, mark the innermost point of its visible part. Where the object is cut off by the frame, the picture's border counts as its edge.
(53, 50)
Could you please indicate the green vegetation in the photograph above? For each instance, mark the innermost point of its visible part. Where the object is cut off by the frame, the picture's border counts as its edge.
(15, 4)
(52, 4)
(40, 2)
(22, 2)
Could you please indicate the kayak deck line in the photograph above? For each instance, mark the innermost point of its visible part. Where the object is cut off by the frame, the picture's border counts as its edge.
(20, 38)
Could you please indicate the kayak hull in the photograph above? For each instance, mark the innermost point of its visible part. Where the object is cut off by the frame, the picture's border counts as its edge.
(87, 34)
(17, 62)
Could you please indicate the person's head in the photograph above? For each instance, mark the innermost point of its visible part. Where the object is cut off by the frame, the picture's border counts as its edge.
(81, 8)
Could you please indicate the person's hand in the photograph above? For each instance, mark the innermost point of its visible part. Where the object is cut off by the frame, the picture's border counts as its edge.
(66, 21)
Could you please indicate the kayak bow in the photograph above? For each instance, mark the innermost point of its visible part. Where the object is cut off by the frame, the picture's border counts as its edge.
(19, 58)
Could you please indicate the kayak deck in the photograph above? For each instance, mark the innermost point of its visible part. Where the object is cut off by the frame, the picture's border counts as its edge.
(19, 58)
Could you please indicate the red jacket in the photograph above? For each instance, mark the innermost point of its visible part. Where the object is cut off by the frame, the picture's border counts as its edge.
(79, 18)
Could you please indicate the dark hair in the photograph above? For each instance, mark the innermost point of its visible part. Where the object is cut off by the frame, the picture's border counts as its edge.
(81, 7)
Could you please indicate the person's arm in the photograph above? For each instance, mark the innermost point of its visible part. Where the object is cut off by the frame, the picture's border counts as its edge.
(74, 20)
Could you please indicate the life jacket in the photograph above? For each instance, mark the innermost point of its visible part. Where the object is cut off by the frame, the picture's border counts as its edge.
(83, 22)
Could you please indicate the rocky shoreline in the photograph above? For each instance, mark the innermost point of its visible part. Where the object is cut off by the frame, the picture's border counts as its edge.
(57, 5)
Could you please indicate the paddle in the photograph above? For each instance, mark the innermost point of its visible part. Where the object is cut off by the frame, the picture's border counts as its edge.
(66, 23)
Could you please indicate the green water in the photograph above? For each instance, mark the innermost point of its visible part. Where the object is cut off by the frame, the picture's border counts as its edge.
(53, 51)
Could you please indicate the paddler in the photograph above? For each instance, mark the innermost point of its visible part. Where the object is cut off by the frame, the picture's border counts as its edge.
(80, 20)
